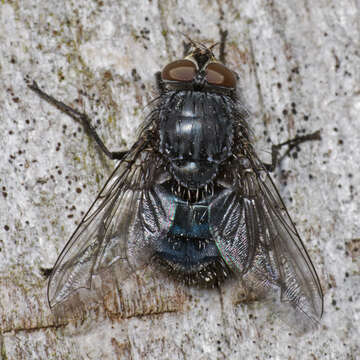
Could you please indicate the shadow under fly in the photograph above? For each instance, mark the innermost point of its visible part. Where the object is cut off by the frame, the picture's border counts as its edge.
(192, 198)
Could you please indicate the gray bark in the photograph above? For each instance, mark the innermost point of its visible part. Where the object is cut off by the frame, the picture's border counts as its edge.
(298, 63)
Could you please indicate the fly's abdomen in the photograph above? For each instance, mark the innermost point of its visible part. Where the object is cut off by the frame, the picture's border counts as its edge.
(187, 249)
(195, 135)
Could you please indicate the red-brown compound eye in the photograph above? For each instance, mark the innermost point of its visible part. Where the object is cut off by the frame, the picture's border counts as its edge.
(180, 70)
(219, 75)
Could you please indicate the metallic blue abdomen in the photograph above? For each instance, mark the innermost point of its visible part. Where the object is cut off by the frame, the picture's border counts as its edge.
(189, 242)
(184, 243)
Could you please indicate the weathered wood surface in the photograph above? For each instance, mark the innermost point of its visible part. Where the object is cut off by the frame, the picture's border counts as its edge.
(300, 71)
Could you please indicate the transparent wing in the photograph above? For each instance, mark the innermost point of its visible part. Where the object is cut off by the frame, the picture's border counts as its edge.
(258, 240)
(114, 230)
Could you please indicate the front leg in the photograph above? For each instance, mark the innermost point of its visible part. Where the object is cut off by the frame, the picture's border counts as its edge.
(222, 53)
(159, 83)
(275, 160)
(79, 117)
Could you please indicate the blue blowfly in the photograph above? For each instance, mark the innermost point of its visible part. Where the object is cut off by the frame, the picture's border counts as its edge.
(192, 198)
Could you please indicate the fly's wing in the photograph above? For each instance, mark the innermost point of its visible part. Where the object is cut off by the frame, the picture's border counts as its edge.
(113, 233)
(258, 240)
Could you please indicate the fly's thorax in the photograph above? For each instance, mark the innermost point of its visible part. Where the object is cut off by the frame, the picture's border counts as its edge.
(196, 132)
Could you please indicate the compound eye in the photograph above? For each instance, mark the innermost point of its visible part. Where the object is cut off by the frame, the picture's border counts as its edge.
(180, 70)
(219, 75)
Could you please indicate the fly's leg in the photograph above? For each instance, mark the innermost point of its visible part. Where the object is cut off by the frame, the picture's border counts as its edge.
(159, 82)
(222, 54)
(79, 117)
(291, 144)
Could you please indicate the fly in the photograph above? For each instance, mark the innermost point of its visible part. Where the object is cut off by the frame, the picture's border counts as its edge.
(192, 198)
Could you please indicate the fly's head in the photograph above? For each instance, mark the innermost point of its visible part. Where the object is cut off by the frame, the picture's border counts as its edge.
(200, 71)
